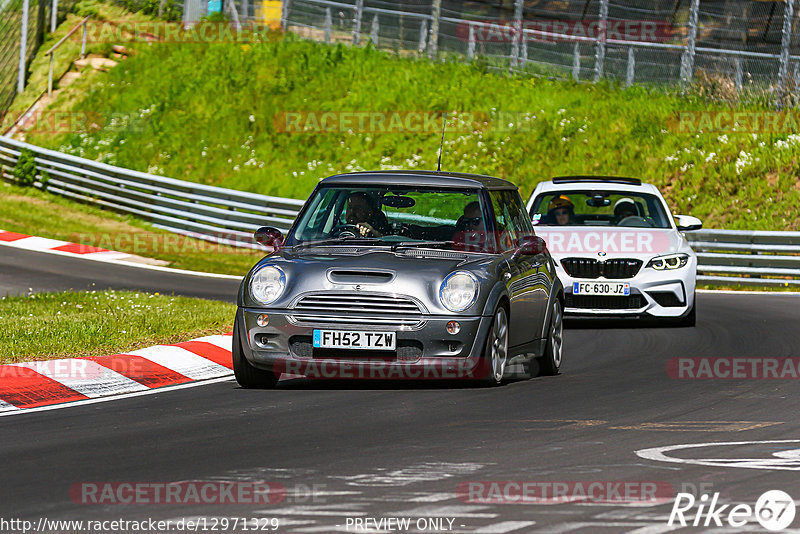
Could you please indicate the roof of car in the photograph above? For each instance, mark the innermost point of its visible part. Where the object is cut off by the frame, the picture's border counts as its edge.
(608, 183)
(421, 178)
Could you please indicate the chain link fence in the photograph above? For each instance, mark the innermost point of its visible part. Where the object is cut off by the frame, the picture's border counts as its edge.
(736, 45)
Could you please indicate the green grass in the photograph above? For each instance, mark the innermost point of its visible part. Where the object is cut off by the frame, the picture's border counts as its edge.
(29, 211)
(207, 113)
(94, 323)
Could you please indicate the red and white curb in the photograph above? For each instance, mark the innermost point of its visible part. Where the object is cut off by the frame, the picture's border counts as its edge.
(88, 252)
(43, 383)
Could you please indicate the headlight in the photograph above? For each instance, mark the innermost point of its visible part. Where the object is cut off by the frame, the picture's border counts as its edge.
(267, 284)
(673, 261)
(458, 291)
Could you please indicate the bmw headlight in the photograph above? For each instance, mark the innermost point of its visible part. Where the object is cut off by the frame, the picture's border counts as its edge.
(267, 284)
(672, 261)
(458, 291)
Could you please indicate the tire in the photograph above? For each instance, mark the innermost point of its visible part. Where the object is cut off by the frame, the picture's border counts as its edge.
(550, 361)
(691, 318)
(246, 375)
(495, 353)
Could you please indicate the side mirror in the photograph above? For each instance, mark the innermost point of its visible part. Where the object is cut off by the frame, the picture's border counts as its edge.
(531, 245)
(687, 223)
(269, 237)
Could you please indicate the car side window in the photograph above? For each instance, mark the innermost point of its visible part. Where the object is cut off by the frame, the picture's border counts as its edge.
(521, 220)
(504, 222)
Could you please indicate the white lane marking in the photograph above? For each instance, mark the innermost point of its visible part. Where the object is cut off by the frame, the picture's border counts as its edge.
(182, 361)
(425, 472)
(569, 527)
(655, 529)
(335, 510)
(4, 406)
(733, 292)
(106, 259)
(433, 497)
(86, 377)
(153, 391)
(36, 243)
(783, 462)
(454, 510)
(221, 341)
(503, 527)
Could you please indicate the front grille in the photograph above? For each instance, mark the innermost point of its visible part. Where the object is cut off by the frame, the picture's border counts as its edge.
(602, 302)
(407, 350)
(614, 269)
(357, 309)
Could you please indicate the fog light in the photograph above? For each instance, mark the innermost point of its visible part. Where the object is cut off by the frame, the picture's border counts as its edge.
(453, 327)
(262, 320)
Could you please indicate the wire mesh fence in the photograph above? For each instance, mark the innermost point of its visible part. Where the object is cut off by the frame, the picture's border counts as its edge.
(749, 45)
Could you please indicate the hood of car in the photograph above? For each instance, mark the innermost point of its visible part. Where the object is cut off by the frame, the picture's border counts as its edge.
(411, 272)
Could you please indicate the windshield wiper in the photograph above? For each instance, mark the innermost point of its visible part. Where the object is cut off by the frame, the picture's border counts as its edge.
(410, 244)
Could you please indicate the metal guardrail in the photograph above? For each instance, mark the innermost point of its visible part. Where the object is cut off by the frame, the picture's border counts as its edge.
(747, 257)
(228, 216)
(206, 212)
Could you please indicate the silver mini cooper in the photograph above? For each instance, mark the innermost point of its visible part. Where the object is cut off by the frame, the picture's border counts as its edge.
(402, 275)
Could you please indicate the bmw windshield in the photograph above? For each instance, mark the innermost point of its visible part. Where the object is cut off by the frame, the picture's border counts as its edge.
(599, 208)
(393, 215)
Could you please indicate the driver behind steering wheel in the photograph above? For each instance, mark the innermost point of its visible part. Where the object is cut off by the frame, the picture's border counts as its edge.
(365, 215)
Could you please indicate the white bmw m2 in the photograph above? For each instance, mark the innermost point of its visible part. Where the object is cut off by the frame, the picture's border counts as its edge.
(619, 251)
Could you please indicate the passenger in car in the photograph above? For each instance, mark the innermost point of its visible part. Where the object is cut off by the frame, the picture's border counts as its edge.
(561, 211)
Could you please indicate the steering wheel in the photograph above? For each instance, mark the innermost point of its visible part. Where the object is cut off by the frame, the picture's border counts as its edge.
(346, 230)
(636, 222)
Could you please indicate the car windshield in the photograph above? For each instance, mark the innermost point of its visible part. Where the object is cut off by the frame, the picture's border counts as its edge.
(599, 208)
(393, 216)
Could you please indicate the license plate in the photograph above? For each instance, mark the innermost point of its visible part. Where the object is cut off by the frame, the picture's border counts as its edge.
(349, 339)
(601, 288)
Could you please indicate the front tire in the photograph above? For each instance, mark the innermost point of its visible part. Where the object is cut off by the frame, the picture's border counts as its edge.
(550, 362)
(495, 355)
(246, 375)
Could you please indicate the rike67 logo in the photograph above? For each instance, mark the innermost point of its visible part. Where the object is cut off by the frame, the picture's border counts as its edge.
(774, 510)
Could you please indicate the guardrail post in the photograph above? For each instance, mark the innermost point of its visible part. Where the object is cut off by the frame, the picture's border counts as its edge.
(374, 31)
(433, 42)
(23, 44)
(285, 7)
(50, 77)
(54, 16)
(357, 21)
(687, 59)
(518, 5)
(524, 45)
(631, 72)
(471, 42)
(576, 62)
(786, 40)
(600, 53)
(83, 41)
(738, 79)
(423, 36)
(328, 25)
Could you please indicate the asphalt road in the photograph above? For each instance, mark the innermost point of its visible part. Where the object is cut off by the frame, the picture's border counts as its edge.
(379, 449)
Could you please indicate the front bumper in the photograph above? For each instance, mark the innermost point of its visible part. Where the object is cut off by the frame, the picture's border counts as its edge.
(652, 294)
(425, 350)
